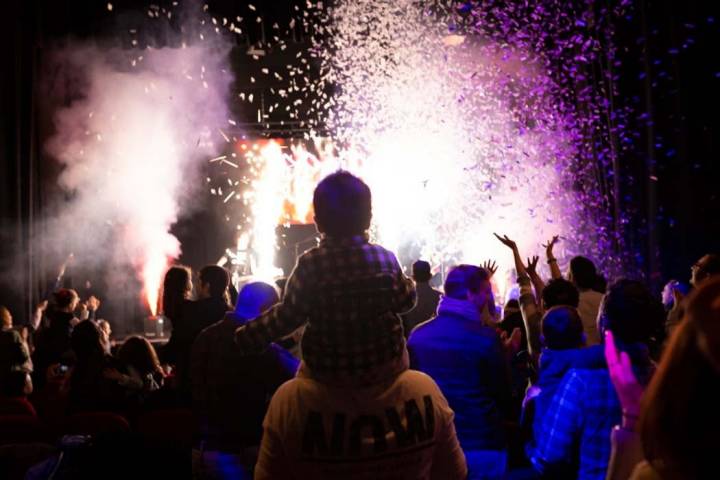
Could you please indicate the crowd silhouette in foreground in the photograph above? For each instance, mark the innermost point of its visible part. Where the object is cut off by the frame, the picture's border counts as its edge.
(355, 371)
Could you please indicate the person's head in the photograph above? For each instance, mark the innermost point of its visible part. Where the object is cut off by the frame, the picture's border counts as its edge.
(582, 272)
(214, 281)
(86, 341)
(511, 307)
(559, 291)
(668, 299)
(421, 271)
(177, 286)
(6, 320)
(342, 205)
(470, 283)
(679, 417)
(253, 299)
(138, 352)
(66, 300)
(630, 311)
(562, 328)
(708, 266)
(105, 328)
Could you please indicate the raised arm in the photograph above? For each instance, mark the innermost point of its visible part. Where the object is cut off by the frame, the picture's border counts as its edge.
(528, 305)
(537, 282)
(282, 319)
(519, 266)
(551, 260)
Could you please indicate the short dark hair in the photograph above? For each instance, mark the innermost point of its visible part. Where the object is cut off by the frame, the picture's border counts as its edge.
(559, 291)
(630, 311)
(217, 278)
(562, 328)
(584, 273)
(421, 271)
(342, 204)
(463, 279)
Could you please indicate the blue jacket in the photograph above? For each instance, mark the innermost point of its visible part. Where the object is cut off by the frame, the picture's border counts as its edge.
(466, 360)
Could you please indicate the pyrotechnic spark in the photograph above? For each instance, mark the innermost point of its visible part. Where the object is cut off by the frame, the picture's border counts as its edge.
(463, 125)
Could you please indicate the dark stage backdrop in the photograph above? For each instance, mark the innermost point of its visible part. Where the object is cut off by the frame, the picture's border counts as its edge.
(670, 76)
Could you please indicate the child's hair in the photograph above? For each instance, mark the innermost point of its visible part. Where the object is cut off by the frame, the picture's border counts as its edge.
(342, 204)
(562, 328)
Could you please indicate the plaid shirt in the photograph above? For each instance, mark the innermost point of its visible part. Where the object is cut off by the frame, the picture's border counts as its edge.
(575, 432)
(349, 293)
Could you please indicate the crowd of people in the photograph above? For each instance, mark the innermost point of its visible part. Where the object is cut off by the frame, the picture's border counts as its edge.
(354, 370)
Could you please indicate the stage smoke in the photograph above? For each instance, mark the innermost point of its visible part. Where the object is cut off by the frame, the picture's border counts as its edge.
(136, 126)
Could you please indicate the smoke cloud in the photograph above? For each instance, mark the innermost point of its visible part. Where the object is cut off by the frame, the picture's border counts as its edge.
(139, 125)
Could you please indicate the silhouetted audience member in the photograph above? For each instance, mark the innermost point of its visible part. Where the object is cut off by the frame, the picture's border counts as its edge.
(15, 363)
(557, 292)
(708, 266)
(176, 292)
(348, 291)
(427, 297)
(93, 385)
(512, 319)
(574, 435)
(563, 340)
(466, 359)
(210, 307)
(52, 344)
(678, 414)
(231, 390)
(143, 373)
(106, 331)
(584, 275)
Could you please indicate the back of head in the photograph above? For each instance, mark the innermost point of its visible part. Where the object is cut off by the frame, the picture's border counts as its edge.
(630, 311)
(559, 291)
(421, 271)
(342, 205)
(139, 353)
(511, 306)
(216, 278)
(176, 287)
(463, 279)
(583, 272)
(562, 328)
(253, 299)
(86, 341)
(64, 298)
(680, 418)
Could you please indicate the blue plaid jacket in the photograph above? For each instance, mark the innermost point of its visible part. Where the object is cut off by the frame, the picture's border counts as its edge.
(575, 432)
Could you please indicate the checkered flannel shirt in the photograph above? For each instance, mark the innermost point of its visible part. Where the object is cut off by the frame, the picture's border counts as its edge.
(575, 432)
(349, 293)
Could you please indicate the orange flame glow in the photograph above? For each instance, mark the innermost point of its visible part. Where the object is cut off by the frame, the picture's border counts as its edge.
(152, 273)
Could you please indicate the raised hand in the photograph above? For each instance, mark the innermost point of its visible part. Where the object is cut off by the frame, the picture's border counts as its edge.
(506, 241)
(531, 266)
(549, 245)
(629, 390)
(93, 303)
(491, 267)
